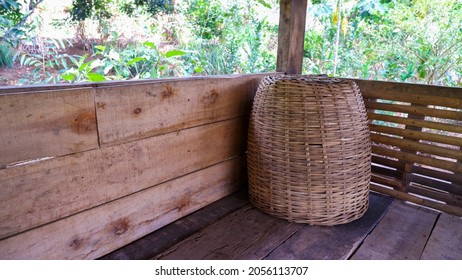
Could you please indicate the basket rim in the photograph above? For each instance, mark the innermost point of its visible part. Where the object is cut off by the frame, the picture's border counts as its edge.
(307, 79)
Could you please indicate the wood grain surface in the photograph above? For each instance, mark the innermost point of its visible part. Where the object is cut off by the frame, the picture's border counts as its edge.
(46, 124)
(105, 228)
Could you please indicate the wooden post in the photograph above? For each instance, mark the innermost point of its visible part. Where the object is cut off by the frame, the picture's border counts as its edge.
(292, 19)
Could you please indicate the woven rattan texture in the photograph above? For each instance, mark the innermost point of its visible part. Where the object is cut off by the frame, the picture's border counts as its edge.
(309, 151)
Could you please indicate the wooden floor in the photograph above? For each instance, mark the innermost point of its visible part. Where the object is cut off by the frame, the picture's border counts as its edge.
(232, 229)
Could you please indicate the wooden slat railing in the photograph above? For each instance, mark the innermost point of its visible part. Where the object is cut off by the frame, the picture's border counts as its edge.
(416, 132)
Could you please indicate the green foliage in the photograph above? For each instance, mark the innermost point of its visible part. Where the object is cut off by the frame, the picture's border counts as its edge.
(155, 7)
(231, 38)
(13, 16)
(369, 9)
(140, 61)
(7, 55)
(223, 37)
(10, 12)
(100, 9)
(399, 40)
(14, 27)
(82, 70)
(10, 17)
(208, 17)
(83, 9)
(47, 61)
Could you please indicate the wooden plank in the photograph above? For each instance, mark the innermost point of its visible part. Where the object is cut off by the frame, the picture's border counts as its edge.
(417, 135)
(417, 200)
(100, 230)
(7, 90)
(387, 172)
(435, 194)
(451, 166)
(401, 94)
(108, 84)
(445, 243)
(451, 177)
(32, 195)
(130, 112)
(416, 122)
(401, 234)
(46, 124)
(399, 184)
(419, 111)
(421, 147)
(337, 242)
(387, 162)
(436, 184)
(408, 88)
(292, 19)
(396, 183)
(245, 234)
(155, 243)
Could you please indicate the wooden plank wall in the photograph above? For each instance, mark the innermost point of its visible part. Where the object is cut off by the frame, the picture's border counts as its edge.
(416, 132)
(87, 170)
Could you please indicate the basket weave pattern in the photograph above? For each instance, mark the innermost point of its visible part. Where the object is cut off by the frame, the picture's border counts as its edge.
(309, 151)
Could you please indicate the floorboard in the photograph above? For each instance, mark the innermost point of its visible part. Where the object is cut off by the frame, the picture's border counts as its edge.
(232, 229)
(336, 242)
(160, 240)
(244, 234)
(401, 234)
(445, 243)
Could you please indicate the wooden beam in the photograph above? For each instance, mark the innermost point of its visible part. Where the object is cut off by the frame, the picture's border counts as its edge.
(160, 240)
(128, 113)
(97, 231)
(450, 209)
(292, 19)
(46, 124)
(35, 194)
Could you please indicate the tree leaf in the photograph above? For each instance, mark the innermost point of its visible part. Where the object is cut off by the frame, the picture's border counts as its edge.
(100, 48)
(68, 77)
(96, 63)
(173, 53)
(28, 61)
(135, 60)
(82, 59)
(61, 43)
(84, 65)
(21, 60)
(264, 3)
(150, 45)
(114, 55)
(10, 3)
(107, 69)
(95, 77)
(64, 62)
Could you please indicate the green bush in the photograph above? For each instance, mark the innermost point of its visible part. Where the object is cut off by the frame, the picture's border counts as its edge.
(138, 61)
(7, 55)
(400, 40)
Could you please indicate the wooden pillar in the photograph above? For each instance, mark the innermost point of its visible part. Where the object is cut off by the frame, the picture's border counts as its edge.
(292, 19)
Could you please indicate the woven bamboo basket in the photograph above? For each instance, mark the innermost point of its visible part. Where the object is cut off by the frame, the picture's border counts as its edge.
(309, 151)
